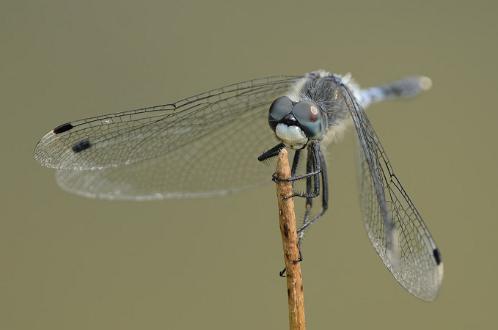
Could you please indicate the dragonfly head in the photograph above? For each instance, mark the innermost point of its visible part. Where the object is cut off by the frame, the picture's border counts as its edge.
(296, 123)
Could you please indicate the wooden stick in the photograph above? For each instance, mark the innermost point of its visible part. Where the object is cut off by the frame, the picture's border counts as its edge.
(288, 229)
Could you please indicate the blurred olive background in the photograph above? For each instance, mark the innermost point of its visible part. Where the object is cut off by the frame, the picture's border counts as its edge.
(73, 263)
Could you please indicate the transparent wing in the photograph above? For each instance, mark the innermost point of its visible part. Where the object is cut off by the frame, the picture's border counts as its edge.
(395, 227)
(202, 145)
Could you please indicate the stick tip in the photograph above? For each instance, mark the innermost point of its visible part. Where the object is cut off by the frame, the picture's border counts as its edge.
(283, 153)
(283, 169)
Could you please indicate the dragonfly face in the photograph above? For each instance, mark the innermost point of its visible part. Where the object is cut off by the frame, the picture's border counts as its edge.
(296, 123)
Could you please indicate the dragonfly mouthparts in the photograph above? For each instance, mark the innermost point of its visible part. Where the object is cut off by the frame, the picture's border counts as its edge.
(293, 136)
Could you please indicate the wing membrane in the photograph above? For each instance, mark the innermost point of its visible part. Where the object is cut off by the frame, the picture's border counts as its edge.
(136, 135)
(394, 226)
(207, 144)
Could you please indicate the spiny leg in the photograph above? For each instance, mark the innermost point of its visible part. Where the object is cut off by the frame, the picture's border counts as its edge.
(312, 188)
(325, 198)
(273, 152)
(294, 177)
(309, 201)
(295, 162)
(312, 175)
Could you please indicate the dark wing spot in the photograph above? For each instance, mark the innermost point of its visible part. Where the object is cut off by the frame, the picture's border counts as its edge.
(62, 128)
(80, 146)
(437, 256)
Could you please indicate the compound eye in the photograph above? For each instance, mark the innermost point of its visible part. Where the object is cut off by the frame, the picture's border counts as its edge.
(280, 108)
(306, 112)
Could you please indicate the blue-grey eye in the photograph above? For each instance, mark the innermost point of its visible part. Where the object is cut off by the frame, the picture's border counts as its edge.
(280, 108)
(306, 112)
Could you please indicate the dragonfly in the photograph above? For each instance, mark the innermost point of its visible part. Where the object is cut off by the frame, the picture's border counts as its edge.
(208, 145)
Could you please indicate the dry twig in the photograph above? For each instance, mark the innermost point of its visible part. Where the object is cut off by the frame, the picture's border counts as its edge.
(288, 229)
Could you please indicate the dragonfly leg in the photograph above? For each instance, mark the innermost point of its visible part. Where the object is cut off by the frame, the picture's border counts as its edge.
(312, 175)
(325, 199)
(273, 152)
(295, 162)
(276, 179)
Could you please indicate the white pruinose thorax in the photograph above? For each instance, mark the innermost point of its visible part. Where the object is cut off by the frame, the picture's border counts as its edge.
(293, 136)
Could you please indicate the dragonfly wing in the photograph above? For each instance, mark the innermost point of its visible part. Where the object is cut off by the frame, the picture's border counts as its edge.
(206, 144)
(394, 226)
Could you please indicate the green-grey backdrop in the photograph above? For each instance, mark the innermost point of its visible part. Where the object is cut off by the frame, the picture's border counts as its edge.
(73, 263)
